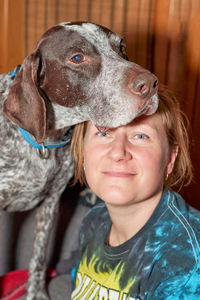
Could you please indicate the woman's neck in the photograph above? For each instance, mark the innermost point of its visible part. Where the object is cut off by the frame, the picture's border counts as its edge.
(128, 220)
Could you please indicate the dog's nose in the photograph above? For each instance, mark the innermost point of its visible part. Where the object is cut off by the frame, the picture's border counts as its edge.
(144, 84)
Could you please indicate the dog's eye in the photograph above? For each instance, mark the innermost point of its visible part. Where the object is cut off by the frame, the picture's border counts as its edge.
(78, 58)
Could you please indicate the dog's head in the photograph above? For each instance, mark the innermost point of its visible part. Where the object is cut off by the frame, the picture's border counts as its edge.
(79, 72)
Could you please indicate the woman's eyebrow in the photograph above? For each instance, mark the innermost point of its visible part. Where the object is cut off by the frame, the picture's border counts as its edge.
(143, 126)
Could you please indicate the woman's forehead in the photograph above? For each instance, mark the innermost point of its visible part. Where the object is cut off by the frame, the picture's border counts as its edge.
(154, 122)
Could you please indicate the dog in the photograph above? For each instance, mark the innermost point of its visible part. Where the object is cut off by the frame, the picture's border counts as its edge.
(77, 72)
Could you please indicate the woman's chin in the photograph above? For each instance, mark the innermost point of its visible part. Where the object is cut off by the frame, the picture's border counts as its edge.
(116, 197)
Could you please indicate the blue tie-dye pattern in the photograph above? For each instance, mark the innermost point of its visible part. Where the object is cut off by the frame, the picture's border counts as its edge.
(177, 257)
(164, 255)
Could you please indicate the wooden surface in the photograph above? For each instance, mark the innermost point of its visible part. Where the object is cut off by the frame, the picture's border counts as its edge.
(11, 33)
(161, 35)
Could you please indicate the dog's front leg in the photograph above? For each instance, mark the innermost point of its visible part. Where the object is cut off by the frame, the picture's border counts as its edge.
(36, 288)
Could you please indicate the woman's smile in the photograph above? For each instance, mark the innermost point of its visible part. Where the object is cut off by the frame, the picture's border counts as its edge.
(118, 174)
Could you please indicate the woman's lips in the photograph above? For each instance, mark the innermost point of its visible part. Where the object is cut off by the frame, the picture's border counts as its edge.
(118, 174)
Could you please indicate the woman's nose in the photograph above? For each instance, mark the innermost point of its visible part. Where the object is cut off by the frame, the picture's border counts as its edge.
(119, 150)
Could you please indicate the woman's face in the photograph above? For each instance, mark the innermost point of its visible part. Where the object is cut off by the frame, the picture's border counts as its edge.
(128, 164)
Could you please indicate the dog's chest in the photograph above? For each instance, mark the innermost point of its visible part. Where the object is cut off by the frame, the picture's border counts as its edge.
(27, 179)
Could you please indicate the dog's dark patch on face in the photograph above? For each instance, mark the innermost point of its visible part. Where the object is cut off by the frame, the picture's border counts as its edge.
(64, 82)
(50, 32)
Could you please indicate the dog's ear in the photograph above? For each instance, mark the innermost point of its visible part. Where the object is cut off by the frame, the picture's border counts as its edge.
(24, 104)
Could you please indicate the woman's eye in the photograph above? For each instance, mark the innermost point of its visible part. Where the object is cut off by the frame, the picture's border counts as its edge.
(103, 134)
(78, 58)
(141, 136)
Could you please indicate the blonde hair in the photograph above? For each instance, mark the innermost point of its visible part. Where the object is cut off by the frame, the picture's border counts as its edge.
(175, 122)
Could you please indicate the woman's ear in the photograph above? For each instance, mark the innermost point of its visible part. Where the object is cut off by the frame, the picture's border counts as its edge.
(172, 158)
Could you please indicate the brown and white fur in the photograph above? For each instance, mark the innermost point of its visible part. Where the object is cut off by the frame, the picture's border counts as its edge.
(77, 72)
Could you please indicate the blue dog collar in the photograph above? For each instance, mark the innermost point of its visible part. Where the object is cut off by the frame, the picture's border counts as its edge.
(64, 141)
(44, 147)
(14, 72)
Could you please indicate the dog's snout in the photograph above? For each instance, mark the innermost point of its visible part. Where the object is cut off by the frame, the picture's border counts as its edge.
(144, 84)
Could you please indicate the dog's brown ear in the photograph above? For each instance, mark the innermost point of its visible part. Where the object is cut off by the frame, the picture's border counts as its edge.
(24, 104)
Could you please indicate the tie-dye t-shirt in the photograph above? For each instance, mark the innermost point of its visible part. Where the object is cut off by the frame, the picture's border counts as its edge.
(161, 262)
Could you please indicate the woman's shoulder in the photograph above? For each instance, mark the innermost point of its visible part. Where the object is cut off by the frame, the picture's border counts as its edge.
(178, 233)
(187, 217)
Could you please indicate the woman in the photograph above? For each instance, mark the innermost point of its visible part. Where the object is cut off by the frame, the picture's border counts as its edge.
(141, 242)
